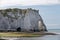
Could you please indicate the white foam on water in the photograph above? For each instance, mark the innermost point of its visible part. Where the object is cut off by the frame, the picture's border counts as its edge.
(54, 32)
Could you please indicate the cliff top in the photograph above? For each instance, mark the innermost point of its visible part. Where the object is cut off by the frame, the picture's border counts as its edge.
(17, 9)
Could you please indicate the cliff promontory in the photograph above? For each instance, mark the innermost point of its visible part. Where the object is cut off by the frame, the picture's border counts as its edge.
(21, 20)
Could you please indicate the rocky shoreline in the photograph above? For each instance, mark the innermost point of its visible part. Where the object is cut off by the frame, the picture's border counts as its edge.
(39, 34)
(25, 34)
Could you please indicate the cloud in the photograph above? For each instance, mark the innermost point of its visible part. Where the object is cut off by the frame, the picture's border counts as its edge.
(27, 2)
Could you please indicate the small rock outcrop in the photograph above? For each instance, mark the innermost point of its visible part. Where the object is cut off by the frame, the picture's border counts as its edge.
(21, 19)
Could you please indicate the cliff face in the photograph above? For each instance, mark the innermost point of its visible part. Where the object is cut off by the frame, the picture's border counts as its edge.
(25, 19)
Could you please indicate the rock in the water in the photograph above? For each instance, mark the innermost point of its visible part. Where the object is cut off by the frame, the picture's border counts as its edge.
(26, 19)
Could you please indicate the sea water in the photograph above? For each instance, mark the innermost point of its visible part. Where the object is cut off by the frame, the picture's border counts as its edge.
(54, 30)
(45, 37)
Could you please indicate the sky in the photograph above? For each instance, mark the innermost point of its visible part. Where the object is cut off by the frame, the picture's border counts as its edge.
(48, 9)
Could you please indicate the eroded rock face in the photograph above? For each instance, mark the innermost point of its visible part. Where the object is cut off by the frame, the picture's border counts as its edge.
(25, 19)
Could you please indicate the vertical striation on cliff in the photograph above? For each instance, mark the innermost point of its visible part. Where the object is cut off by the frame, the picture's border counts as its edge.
(21, 20)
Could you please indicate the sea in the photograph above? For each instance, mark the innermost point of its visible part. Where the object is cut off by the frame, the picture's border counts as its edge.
(45, 37)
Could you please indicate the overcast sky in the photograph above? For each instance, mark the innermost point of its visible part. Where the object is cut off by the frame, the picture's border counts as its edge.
(28, 2)
(49, 9)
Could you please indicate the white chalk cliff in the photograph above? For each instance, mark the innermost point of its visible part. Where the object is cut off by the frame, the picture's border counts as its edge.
(26, 19)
